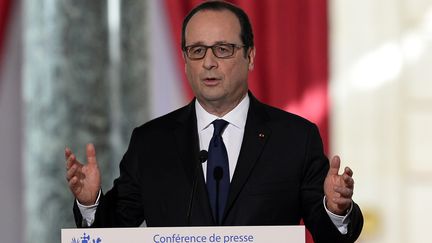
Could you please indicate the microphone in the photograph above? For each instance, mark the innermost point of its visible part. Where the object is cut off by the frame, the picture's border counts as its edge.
(202, 157)
(217, 175)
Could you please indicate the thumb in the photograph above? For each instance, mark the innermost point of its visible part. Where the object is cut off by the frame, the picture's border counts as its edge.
(334, 166)
(91, 154)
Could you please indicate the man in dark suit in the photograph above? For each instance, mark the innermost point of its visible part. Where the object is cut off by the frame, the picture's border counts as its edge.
(269, 168)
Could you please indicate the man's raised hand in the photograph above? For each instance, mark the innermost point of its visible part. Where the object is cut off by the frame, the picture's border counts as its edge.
(84, 180)
(338, 188)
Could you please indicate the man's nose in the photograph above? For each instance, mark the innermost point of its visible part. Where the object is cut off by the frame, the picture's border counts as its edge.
(210, 60)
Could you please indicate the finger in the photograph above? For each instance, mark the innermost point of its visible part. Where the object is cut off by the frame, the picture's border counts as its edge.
(334, 166)
(75, 171)
(344, 192)
(71, 160)
(349, 181)
(74, 185)
(68, 152)
(72, 172)
(342, 202)
(91, 154)
(348, 171)
(73, 182)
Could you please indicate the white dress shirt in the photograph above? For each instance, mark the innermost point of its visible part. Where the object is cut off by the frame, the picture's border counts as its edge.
(232, 135)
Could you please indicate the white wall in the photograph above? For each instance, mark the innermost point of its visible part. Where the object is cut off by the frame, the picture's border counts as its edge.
(381, 69)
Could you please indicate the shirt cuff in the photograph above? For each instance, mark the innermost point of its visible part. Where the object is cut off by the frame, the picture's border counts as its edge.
(340, 221)
(88, 212)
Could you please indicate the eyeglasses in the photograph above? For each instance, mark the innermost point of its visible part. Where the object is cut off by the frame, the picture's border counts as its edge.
(224, 50)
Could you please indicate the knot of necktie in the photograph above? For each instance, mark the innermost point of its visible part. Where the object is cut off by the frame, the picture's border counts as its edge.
(219, 125)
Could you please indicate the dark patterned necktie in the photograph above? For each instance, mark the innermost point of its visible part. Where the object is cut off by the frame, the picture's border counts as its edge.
(218, 171)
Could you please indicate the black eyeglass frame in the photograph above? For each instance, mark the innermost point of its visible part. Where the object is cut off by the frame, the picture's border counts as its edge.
(234, 47)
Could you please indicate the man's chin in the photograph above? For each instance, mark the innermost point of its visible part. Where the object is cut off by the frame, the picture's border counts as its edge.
(212, 98)
(212, 95)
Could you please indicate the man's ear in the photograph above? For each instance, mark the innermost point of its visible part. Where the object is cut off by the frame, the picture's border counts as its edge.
(251, 57)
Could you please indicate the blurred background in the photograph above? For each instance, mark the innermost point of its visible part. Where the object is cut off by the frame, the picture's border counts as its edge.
(74, 72)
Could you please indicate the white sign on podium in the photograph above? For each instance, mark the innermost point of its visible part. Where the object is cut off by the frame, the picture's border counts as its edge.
(232, 234)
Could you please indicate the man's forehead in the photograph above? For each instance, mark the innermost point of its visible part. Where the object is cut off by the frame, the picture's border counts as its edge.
(213, 12)
(207, 24)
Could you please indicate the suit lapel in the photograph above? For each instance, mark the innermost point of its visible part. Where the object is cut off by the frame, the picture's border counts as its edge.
(187, 141)
(255, 137)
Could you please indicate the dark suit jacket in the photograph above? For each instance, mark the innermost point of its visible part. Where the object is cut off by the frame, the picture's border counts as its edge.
(277, 181)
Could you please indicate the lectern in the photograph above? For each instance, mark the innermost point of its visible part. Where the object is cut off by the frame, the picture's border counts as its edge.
(233, 234)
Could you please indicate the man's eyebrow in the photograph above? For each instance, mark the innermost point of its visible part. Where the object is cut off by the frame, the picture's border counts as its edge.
(221, 42)
(200, 43)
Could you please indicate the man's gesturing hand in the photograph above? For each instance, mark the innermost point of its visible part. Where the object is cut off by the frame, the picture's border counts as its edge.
(84, 180)
(338, 188)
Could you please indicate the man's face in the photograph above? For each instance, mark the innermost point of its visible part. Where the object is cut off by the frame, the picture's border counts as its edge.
(216, 81)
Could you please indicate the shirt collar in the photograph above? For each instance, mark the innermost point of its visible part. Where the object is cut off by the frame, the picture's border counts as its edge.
(236, 117)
